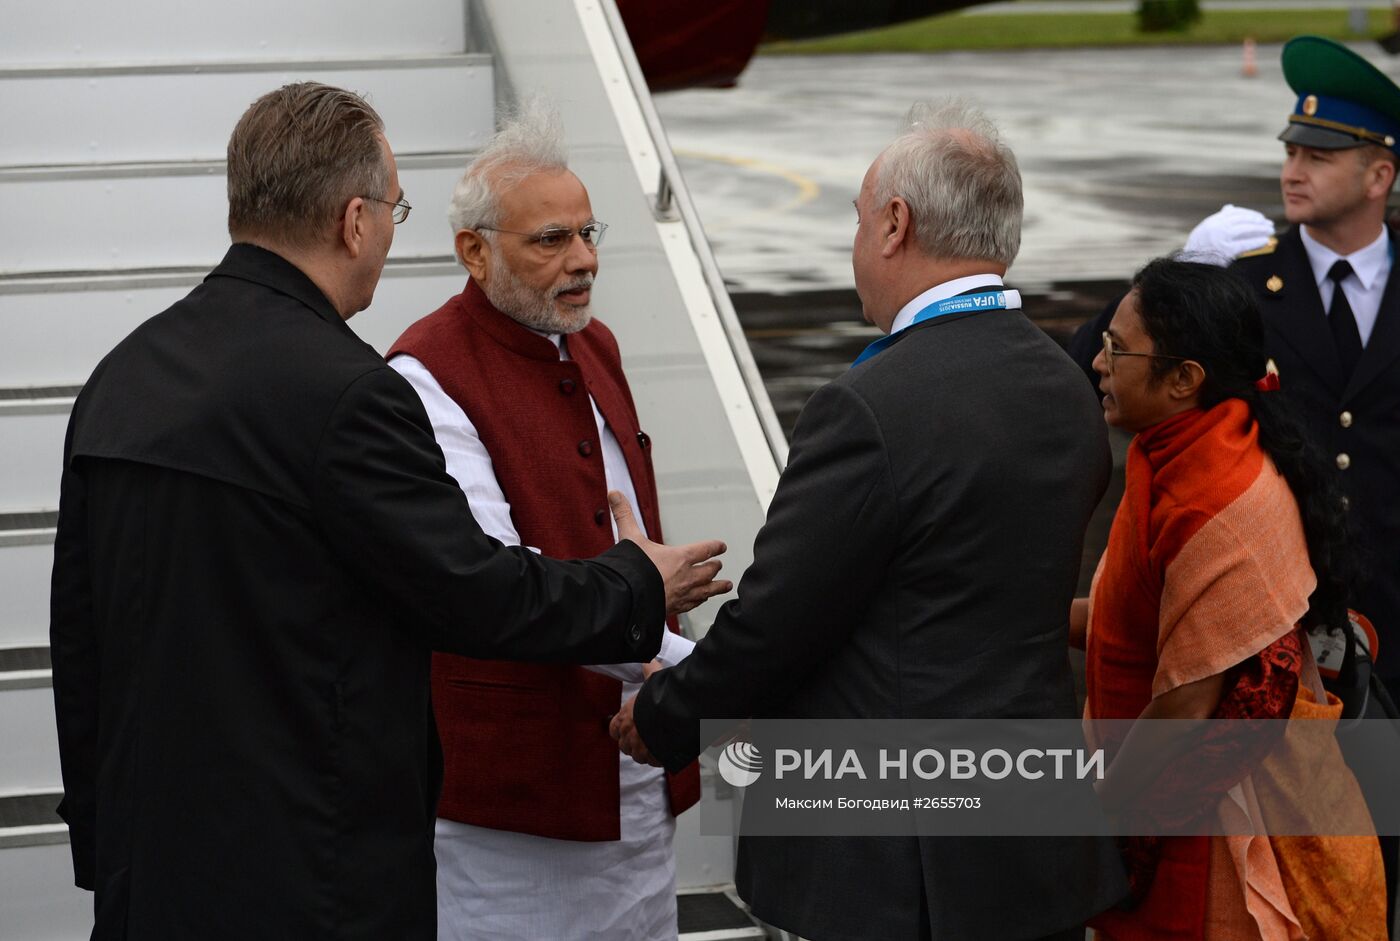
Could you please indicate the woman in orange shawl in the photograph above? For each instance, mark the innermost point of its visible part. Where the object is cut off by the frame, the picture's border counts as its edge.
(1227, 546)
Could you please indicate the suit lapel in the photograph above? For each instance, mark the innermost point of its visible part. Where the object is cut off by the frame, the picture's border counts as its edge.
(1295, 312)
(1384, 345)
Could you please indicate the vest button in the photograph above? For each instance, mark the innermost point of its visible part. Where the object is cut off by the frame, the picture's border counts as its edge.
(1345, 419)
(600, 516)
(644, 440)
(1343, 461)
(566, 386)
(585, 448)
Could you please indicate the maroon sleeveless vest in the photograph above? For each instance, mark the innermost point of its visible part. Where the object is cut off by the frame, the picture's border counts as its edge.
(526, 746)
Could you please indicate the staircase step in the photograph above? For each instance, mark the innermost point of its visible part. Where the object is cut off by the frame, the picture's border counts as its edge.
(25, 668)
(31, 809)
(40, 902)
(26, 561)
(102, 127)
(109, 197)
(28, 527)
(39, 394)
(237, 66)
(77, 281)
(69, 32)
(38, 400)
(713, 915)
(31, 449)
(93, 310)
(211, 166)
(28, 738)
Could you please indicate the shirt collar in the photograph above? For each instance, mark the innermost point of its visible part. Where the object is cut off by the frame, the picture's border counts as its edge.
(939, 292)
(560, 341)
(1368, 263)
(556, 338)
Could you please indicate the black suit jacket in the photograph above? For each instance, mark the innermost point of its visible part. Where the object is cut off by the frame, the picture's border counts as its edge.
(258, 548)
(918, 560)
(1359, 418)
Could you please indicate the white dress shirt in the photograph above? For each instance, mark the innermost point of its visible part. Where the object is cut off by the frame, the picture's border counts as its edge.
(504, 886)
(948, 289)
(1364, 287)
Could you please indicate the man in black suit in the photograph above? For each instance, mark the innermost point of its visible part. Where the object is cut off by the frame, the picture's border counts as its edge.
(258, 548)
(918, 560)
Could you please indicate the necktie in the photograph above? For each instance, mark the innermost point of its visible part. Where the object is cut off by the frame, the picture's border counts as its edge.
(1341, 321)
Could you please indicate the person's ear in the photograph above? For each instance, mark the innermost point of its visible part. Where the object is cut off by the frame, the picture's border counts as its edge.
(1380, 177)
(474, 252)
(897, 226)
(353, 226)
(1187, 380)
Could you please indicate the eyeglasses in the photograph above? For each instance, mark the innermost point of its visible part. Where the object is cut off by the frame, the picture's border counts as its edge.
(401, 208)
(1109, 352)
(555, 239)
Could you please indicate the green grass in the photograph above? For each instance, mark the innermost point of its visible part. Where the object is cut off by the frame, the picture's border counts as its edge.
(1047, 30)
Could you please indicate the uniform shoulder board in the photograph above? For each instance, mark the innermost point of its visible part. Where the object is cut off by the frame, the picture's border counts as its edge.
(1266, 249)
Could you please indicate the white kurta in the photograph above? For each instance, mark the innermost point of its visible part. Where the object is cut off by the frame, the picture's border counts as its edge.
(504, 886)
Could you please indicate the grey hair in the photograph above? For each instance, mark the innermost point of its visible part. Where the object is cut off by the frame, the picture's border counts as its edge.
(297, 156)
(530, 141)
(960, 180)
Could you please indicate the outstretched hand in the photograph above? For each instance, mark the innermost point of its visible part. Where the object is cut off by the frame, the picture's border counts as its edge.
(629, 741)
(688, 571)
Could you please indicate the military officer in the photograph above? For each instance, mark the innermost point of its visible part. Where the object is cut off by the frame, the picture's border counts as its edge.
(1331, 305)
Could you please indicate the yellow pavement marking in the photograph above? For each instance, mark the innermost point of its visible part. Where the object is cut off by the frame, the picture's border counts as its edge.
(807, 189)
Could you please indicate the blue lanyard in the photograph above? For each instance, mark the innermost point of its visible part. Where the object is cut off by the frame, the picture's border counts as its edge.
(992, 300)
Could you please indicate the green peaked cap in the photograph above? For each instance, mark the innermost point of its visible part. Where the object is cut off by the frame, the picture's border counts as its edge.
(1343, 100)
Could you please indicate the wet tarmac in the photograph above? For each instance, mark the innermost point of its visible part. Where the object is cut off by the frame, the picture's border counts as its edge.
(1122, 151)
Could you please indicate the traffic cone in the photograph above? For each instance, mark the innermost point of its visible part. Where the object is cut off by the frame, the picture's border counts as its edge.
(1250, 66)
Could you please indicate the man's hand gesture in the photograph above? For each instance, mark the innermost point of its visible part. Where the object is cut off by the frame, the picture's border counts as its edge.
(689, 571)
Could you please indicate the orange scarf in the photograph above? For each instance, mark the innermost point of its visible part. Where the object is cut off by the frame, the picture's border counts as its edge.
(1206, 566)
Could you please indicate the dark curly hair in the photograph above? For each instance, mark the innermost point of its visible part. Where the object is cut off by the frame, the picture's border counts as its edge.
(1208, 314)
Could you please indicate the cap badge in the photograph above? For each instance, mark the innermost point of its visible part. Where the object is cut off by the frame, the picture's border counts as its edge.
(1274, 284)
(1310, 105)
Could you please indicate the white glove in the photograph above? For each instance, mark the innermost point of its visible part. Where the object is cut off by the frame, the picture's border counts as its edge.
(1221, 238)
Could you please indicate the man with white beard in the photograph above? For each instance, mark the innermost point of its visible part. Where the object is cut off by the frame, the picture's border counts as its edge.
(541, 832)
